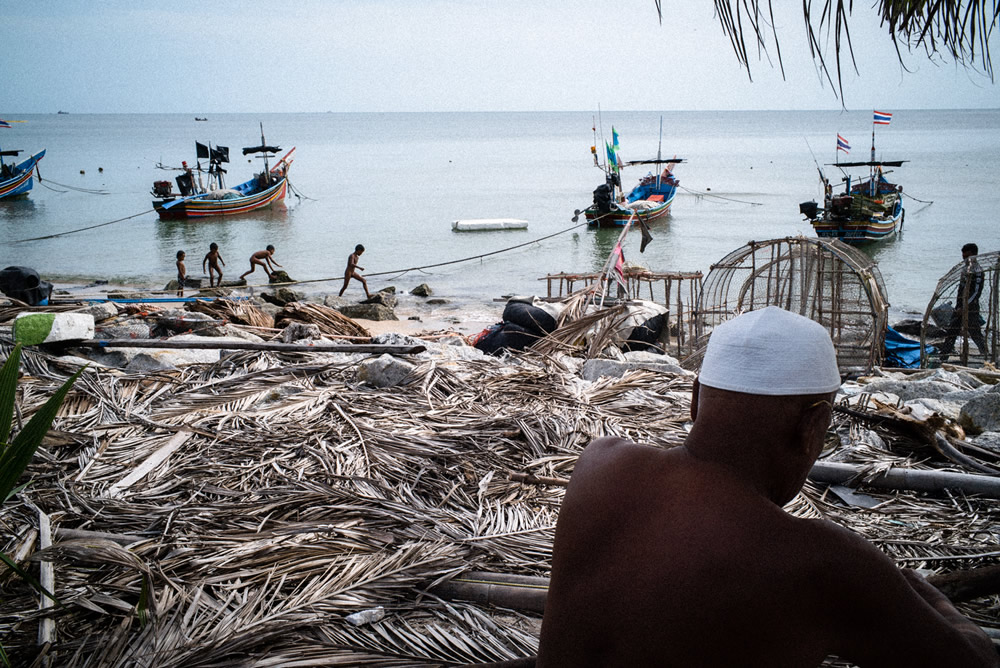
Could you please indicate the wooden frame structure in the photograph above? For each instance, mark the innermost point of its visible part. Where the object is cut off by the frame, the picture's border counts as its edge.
(680, 294)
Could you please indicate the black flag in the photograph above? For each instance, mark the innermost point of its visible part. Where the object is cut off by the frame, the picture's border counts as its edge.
(646, 236)
(201, 149)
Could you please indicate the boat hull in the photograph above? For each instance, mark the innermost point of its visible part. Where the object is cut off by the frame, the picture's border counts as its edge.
(18, 186)
(863, 229)
(619, 217)
(202, 206)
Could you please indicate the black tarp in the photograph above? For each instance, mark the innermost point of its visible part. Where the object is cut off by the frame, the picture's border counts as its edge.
(24, 284)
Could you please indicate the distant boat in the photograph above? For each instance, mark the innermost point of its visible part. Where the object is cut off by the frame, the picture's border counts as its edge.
(869, 208)
(62, 112)
(212, 198)
(650, 199)
(200, 119)
(16, 177)
(487, 224)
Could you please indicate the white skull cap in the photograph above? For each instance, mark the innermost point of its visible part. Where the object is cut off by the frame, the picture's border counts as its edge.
(771, 351)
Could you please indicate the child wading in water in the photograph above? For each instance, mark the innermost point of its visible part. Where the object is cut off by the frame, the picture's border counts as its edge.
(264, 258)
(213, 259)
(181, 273)
(351, 271)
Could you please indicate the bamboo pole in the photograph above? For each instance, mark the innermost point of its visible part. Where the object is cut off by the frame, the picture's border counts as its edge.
(209, 344)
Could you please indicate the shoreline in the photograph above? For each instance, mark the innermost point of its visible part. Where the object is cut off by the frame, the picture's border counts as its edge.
(416, 316)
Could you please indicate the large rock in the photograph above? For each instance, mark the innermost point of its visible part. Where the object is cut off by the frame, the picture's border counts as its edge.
(129, 329)
(596, 368)
(368, 312)
(383, 297)
(981, 414)
(32, 329)
(384, 371)
(907, 390)
(280, 276)
(282, 296)
(300, 331)
(101, 311)
(422, 290)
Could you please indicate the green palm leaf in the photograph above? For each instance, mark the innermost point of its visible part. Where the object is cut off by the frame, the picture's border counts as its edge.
(22, 448)
(8, 392)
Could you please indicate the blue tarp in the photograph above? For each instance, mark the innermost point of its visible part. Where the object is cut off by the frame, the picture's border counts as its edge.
(901, 352)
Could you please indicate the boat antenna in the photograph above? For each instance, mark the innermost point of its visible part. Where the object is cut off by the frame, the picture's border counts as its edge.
(822, 177)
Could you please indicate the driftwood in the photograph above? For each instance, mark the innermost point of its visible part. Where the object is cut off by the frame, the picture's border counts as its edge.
(905, 479)
(528, 593)
(211, 344)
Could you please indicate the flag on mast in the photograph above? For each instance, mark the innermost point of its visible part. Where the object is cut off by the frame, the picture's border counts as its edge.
(842, 145)
(882, 118)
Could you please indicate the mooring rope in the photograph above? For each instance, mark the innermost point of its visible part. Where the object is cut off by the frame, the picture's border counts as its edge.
(81, 190)
(81, 229)
(917, 200)
(728, 199)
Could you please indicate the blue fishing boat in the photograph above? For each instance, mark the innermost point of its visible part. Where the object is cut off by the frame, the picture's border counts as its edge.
(650, 199)
(16, 177)
(201, 199)
(868, 209)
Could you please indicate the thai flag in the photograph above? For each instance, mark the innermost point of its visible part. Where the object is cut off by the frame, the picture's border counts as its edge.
(842, 145)
(4, 124)
(882, 118)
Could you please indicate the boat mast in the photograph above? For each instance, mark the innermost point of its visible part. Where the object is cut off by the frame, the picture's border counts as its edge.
(871, 181)
(659, 149)
(263, 143)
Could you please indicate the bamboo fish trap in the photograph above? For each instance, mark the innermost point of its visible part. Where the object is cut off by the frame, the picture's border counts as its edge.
(825, 280)
(952, 290)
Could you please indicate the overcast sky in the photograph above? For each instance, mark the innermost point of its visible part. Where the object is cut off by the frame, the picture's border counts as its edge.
(126, 56)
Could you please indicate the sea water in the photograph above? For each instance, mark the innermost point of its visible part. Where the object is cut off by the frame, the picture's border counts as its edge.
(395, 182)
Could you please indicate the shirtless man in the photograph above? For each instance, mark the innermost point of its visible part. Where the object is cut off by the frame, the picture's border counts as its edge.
(685, 557)
(351, 271)
(213, 258)
(264, 258)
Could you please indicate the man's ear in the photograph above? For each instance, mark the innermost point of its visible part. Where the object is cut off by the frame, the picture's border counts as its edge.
(694, 399)
(813, 423)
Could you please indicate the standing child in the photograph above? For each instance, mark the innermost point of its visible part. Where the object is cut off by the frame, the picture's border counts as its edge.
(264, 258)
(213, 259)
(351, 271)
(181, 273)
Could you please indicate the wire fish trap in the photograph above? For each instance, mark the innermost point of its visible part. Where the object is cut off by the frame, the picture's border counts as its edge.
(825, 280)
(970, 332)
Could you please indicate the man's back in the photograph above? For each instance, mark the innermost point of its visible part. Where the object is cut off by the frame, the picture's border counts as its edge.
(664, 559)
(657, 542)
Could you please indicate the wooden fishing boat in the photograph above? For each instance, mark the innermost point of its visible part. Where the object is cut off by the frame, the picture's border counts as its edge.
(196, 200)
(650, 198)
(868, 209)
(16, 177)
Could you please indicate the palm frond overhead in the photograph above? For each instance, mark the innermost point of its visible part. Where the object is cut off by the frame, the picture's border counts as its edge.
(959, 29)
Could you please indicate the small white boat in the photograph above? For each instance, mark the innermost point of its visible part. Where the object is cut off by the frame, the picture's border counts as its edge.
(484, 224)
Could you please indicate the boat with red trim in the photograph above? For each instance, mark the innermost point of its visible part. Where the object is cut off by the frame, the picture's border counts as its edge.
(200, 198)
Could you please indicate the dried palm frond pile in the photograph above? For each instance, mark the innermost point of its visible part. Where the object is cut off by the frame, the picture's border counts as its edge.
(331, 322)
(241, 312)
(238, 513)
